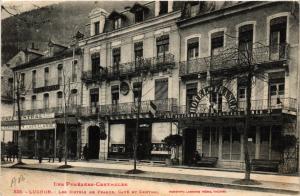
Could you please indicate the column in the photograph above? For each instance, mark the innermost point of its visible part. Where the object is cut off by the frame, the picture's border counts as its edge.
(180, 150)
(257, 143)
(220, 143)
(36, 146)
(54, 148)
(199, 141)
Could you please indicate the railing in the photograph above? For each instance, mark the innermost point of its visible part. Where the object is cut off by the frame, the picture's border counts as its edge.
(233, 57)
(144, 65)
(263, 104)
(56, 110)
(162, 106)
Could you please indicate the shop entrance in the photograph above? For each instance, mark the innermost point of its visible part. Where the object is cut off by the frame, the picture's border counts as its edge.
(94, 142)
(190, 136)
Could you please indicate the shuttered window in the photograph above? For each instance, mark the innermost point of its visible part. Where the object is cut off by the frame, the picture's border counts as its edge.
(161, 89)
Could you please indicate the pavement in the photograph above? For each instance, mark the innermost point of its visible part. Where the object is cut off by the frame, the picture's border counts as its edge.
(270, 182)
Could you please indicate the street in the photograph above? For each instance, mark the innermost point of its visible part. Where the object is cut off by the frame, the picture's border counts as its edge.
(28, 182)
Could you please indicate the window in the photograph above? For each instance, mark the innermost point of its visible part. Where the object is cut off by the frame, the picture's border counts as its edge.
(94, 99)
(33, 102)
(194, 8)
(117, 23)
(33, 79)
(97, 27)
(161, 89)
(245, 42)
(276, 88)
(162, 44)
(46, 101)
(59, 74)
(192, 48)
(138, 53)
(137, 88)
(241, 92)
(59, 99)
(116, 52)
(115, 94)
(278, 37)
(268, 137)
(46, 76)
(191, 92)
(73, 97)
(74, 70)
(10, 87)
(95, 58)
(163, 7)
(22, 82)
(217, 43)
(139, 16)
(22, 103)
(231, 143)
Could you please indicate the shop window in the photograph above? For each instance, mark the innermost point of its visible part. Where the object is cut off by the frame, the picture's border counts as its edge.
(163, 7)
(162, 45)
(59, 99)
(231, 143)
(116, 54)
(161, 89)
(217, 43)
(33, 102)
(74, 70)
(278, 34)
(245, 42)
(192, 48)
(268, 137)
(94, 100)
(59, 74)
(46, 101)
(252, 142)
(97, 27)
(191, 92)
(33, 79)
(210, 142)
(46, 76)
(95, 58)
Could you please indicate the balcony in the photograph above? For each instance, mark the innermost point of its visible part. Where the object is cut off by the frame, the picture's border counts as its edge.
(166, 106)
(131, 69)
(57, 110)
(283, 104)
(229, 59)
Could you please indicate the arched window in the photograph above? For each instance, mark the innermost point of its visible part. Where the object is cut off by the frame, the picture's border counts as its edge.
(59, 74)
(73, 97)
(33, 102)
(59, 99)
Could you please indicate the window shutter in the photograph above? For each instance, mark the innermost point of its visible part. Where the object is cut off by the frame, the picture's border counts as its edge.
(161, 89)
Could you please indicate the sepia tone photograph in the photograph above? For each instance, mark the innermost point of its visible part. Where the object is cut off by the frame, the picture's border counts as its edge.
(149, 98)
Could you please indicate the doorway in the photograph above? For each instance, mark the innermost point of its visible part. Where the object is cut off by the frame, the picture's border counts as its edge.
(190, 136)
(94, 142)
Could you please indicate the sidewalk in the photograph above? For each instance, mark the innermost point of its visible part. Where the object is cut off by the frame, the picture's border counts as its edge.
(198, 176)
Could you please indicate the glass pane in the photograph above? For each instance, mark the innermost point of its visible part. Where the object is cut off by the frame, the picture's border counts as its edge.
(264, 142)
(226, 143)
(236, 145)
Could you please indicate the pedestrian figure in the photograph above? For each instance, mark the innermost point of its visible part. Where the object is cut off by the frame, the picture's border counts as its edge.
(40, 154)
(51, 154)
(60, 153)
(15, 151)
(86, 152)
(196, 158)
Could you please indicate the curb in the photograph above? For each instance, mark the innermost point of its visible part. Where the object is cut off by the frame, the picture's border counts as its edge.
(169, 180)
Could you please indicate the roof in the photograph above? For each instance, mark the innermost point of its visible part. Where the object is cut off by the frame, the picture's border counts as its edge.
(46, 59)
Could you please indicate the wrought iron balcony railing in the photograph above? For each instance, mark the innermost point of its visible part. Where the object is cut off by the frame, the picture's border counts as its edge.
(233, 57)
(162, 106)
(289, 104)
(129, 69)
(57, 110)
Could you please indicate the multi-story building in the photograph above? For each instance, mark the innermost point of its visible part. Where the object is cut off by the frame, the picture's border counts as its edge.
(133, 49)
(45, 83)
(216, 38)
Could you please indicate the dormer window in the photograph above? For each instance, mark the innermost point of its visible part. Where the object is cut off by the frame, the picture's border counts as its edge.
(163, 7)
(139, 11)
(97, 27)
(117, 23)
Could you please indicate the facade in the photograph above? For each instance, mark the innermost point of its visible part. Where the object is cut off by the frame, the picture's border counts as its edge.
(45, 83)
(188, 61)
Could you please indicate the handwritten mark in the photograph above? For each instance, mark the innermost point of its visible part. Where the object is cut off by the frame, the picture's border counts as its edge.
(17, 180)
